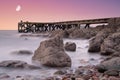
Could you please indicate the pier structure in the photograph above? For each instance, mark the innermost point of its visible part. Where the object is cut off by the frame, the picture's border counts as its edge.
(26, 27)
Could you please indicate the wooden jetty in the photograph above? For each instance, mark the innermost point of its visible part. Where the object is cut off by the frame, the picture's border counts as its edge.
(26, 27)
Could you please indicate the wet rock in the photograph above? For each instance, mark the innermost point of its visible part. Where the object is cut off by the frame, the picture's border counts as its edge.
(95, 43)
(17, 64)
(83, 71)
(111, 64)
(4, 76)
(51, 53)
(70, 46)
(92, 59)
(101, 68)
(79, 71)
(86, 77)
(60, 72)
(111, 44)
(23, 52)
(112, 73)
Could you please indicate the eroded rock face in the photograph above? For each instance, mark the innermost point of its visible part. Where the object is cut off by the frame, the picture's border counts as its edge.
(111, 44)
(51, 53)
(95, 43)
(111, 64)
(70, 46)
(17, 64)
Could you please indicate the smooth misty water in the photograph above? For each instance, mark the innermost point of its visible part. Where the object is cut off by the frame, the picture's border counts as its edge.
(11, 41)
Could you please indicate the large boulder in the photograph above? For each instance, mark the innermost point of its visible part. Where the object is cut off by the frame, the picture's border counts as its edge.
(70, 46)
(110, 64)
(17, 64)
(95, 43)
(111, 44)
(51, 53)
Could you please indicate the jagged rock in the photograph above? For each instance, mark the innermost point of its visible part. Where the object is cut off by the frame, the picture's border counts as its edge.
(17, 64)
(95, 43)
(70, 46)
(51, 53)
(110, 64)
(111, 44)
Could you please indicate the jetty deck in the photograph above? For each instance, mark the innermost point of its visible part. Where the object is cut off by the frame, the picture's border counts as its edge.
(26, 27)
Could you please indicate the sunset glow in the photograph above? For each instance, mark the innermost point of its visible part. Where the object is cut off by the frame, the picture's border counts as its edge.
(55, 10)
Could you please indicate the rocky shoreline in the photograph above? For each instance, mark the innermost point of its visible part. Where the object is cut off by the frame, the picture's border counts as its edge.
(104, 40)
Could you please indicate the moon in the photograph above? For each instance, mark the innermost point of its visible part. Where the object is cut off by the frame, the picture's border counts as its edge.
(18, 8)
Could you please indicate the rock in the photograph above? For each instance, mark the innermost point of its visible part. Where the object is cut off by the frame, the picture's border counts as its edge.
(79, 71)
(26, 77)
(51, 53)
(112, 73)
(113, 78)
(95, 43)
(110, 64)
(17, 64)
(87, 77)
(23, 52)
(4, 76)
(60, 72)
(76, 33)
(52, 78)
(111, 44)
(83, 33)
(82, 61)
(26, 35)
(83, 71)
(70, 46)
(61, 33)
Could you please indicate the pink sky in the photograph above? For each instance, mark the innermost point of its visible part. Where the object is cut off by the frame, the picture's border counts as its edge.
(55, 10)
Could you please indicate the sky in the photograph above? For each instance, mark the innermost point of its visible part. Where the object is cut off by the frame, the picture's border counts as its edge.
(55, 10)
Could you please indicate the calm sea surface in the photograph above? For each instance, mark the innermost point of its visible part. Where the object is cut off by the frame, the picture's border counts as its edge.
(11, 41)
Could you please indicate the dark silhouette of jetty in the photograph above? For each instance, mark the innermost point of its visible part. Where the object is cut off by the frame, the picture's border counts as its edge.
(26, 27)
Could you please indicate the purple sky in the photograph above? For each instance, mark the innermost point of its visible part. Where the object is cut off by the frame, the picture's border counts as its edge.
(55, 10)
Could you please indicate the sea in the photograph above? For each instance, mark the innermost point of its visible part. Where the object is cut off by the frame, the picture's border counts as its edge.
(11, 40)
